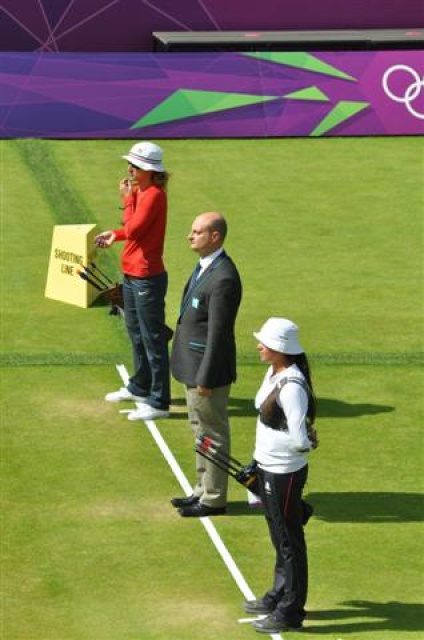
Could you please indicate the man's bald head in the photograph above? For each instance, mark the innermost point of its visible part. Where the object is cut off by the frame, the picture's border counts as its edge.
(215, 222)
(208, 233)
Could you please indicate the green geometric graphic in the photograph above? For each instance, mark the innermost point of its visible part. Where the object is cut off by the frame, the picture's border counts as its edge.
(310, 93)
(341, 112)
(188, 103)
(185, 103)
(300, 60)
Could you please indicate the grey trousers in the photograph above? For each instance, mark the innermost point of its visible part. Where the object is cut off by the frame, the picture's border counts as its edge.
(209, 417)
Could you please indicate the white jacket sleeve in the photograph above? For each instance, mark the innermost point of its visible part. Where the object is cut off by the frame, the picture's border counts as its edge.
(294, 401)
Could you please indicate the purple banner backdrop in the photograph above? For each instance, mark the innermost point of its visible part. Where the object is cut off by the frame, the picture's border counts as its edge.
(127, 25)
(171, 95)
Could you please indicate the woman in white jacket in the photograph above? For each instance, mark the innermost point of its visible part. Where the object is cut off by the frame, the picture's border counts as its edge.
(284, 436)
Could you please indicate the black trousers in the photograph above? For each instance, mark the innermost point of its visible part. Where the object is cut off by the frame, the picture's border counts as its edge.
(281, 496)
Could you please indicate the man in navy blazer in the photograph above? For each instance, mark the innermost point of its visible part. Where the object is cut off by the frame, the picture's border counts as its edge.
(203, 357)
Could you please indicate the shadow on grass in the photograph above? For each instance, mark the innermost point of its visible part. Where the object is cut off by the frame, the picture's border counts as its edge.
(330, 408)
(371, 507)
(387, 616)
(242, 508)
(327, 408)
(353, 507)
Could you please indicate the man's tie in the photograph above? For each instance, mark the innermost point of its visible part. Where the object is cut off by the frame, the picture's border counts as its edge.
(194, 276)
(192, 282)
(193, 279)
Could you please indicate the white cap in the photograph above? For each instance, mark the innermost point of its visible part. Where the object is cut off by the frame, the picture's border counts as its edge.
(280, 335)
(146, 156)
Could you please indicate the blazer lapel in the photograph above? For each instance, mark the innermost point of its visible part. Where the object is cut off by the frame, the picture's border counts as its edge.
(191, 287)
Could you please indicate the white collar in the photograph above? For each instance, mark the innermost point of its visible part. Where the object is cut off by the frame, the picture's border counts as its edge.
(206, 261)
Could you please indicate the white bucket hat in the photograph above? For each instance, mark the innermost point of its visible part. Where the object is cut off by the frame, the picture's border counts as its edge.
(146, 156)
(280, 335)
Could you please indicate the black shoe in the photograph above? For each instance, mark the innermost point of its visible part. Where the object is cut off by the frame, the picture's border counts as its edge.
(273, 624)
(307, 511)
(261, 605)
(199, 510)
(184, 502)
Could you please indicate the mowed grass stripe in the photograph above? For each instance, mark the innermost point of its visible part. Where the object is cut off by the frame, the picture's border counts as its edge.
(77, 359)
(64, 198)
(60, 359)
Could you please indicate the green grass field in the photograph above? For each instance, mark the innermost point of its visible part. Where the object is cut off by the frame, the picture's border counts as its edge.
(326, 232)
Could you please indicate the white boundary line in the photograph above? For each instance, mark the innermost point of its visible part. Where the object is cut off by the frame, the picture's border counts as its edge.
(206, 522)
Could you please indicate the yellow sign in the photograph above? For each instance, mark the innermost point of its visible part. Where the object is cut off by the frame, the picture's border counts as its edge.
(72, 247)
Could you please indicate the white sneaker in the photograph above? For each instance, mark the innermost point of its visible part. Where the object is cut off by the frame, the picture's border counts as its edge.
(123, 394)
(147, 413)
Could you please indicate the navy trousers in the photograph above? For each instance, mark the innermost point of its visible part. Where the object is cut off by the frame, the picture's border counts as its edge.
(144, 307)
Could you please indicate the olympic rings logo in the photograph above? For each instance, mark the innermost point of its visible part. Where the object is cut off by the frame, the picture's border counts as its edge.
(411, 92)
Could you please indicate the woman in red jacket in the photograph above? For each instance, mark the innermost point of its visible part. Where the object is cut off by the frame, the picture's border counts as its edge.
(144, 203)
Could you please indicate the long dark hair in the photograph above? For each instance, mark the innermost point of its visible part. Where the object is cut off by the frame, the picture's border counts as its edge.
(301, 361)
(160, 178)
